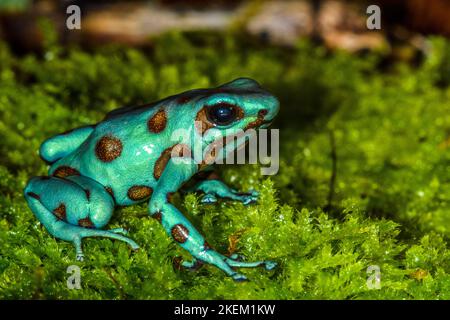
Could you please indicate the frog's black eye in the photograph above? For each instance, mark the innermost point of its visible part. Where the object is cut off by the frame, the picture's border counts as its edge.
(222, 114)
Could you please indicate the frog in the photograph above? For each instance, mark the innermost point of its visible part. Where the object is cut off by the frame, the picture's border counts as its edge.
(133, 155)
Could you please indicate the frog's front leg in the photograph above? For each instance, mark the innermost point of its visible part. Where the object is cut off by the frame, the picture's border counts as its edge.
(181, 230)
(213, 188)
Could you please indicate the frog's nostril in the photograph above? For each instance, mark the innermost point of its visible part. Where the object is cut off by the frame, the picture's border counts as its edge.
(262, 112)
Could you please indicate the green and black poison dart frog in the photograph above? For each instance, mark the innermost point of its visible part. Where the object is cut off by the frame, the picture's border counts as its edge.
(130, 157)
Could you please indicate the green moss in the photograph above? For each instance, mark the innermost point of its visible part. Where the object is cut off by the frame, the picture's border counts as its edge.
(389, 206)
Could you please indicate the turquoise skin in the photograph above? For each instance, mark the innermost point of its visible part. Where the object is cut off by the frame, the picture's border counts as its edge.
(134, 155)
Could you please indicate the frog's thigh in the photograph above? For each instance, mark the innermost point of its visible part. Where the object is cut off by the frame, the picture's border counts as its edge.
(76, 200)
(72, 209)
(61, 145)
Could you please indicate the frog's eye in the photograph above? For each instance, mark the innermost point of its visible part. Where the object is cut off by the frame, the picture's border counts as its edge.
(222, 114)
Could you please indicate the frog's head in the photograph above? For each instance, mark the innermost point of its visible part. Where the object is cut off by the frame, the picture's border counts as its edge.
(239, 104)
(231, 109)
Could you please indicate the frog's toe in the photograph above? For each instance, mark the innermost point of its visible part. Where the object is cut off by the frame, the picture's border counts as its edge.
(121, 231)
(193, 265)
(209, 198)
(269, 265)
(251, 192)
(80, 257)
(237, 257)
(239, 277)
(134, 246)
(247, 199)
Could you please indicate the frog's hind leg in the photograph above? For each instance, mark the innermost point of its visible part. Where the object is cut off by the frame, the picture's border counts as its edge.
(72, 209)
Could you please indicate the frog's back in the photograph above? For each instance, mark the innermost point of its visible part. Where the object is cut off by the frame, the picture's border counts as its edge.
(121, 153)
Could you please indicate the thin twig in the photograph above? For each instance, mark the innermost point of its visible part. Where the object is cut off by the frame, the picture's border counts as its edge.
(333, 171)
(116, 283)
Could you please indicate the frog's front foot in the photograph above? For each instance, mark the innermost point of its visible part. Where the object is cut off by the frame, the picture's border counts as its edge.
(191, 265)
(215, 188)
(239, 277)
(195, 264)
(237, 260)
(246, 197)
(181, 229)
(231, 262)
(270, 265)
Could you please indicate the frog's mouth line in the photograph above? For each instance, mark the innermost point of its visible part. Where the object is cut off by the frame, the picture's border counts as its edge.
(266, 124)
(214, 149)
(260, 121)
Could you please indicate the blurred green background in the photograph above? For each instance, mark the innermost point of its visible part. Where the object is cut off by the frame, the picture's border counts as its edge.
(364, 176)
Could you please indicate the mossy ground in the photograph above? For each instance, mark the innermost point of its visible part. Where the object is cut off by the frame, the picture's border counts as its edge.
(389, 132)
